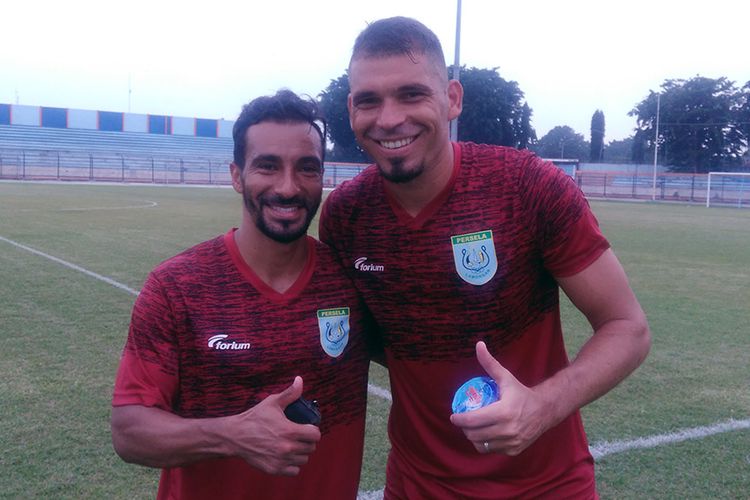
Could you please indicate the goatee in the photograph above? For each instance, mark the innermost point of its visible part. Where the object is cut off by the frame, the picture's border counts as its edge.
(398, 174)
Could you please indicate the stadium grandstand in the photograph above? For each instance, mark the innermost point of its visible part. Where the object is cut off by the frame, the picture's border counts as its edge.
(42, 143)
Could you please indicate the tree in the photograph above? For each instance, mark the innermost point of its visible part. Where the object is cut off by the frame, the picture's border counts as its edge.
(525, 134)
(744, 121)
(562, 142)
(699, 124)
(493, 110)
(597, 137)
(639, 147)
(333, 104)
(619, 151)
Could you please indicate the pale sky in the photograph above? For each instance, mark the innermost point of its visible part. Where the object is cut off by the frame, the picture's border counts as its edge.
(206, 59)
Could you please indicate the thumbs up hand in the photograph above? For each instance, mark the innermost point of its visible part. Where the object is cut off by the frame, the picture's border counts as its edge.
(509, 425)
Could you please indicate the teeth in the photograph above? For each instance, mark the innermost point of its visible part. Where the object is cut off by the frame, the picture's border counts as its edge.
(397, 144)
(285, 208)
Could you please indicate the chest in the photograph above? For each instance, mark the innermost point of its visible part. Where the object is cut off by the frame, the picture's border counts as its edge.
(245, 345)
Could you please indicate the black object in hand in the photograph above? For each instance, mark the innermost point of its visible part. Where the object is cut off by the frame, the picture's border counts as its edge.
(302, 411)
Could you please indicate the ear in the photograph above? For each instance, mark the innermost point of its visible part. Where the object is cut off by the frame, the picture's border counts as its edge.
(349, 108)
(236, 172)
(455, 99)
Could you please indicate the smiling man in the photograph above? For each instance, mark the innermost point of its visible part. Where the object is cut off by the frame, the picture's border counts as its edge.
(460, 251)
(227, 335)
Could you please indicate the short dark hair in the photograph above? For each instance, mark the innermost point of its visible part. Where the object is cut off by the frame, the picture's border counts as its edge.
(284, 107)
(398, 36)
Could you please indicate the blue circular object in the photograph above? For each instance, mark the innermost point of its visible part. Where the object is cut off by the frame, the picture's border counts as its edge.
(475, 393)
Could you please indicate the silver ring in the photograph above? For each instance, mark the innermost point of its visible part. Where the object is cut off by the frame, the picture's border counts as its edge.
(486, 447)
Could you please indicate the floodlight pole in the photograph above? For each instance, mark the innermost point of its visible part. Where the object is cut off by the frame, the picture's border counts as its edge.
(656, 144)
(456, 67)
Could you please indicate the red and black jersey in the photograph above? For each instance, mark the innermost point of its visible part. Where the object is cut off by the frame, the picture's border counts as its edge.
(478, 263)
(208, 338)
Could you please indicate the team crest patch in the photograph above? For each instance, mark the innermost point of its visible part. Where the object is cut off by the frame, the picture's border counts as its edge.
(474, 257)
(334, 330)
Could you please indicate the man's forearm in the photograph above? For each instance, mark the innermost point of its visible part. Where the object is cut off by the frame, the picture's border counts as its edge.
(157, 438)
(615, 350)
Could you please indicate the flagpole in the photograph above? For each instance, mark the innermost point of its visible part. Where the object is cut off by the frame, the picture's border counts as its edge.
(656, 144)
(456, 66)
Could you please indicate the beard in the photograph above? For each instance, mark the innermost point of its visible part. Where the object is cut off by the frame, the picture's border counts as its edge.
(284, 231)
(399, 174)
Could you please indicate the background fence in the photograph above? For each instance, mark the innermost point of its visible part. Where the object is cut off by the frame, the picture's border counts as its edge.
(39, 164)
(36, 164)
(725, 190)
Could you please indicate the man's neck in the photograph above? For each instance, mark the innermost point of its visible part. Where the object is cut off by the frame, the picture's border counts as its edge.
(278, 265)
(415, 195)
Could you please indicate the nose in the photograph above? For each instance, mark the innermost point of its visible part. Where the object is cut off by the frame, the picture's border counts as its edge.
(287, 184)
(391, 115)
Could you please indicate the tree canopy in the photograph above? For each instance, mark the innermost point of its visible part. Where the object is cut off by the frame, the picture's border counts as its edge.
(562, 142)
(494, 111)
(597, 137)
(700, 124)
(619, 151)
(333, 104)
(704, 123)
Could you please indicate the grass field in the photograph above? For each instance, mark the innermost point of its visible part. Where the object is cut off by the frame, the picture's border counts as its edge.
(61, 332)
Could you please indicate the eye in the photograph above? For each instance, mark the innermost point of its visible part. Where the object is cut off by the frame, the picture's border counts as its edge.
(266, 166)
(412, 95)
(311, 169)
(366, 102)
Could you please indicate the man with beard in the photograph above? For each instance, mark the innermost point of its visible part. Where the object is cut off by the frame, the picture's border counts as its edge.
(228, 334)
(459, 251)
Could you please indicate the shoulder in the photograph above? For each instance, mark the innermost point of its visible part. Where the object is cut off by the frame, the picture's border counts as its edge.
(191, 259)
(506, 170)
(352, 191)
(532, 173)
(327, 260)
(496, 156)
(347, 202)
(501, 164)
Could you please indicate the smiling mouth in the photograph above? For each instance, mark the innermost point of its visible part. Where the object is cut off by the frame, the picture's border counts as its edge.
(284, 211)
(399, 143)
(288, 209)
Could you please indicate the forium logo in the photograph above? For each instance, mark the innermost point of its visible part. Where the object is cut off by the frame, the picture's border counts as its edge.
(217, 342)
(362, 265)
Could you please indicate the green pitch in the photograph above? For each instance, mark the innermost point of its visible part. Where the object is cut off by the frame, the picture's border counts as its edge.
(61, 332)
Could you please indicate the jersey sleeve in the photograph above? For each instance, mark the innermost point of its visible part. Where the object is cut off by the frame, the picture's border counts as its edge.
(148, 371)
(565, 227)
(326, 226)
(333, 227)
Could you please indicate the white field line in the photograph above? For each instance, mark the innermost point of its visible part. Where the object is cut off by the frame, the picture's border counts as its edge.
(380, 392)
(148, 204)
(370, 495)
(373, 389)
(598, 450)
(605, 448)
(71, 266)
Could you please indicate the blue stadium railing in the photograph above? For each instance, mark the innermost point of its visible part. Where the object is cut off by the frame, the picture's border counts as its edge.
(37, 153)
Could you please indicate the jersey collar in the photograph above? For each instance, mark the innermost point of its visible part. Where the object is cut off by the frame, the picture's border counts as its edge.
(247, 272)
(434, 205)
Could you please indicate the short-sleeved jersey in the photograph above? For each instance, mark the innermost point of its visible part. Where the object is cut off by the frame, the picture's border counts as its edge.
(478, 263)
(208, 338)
